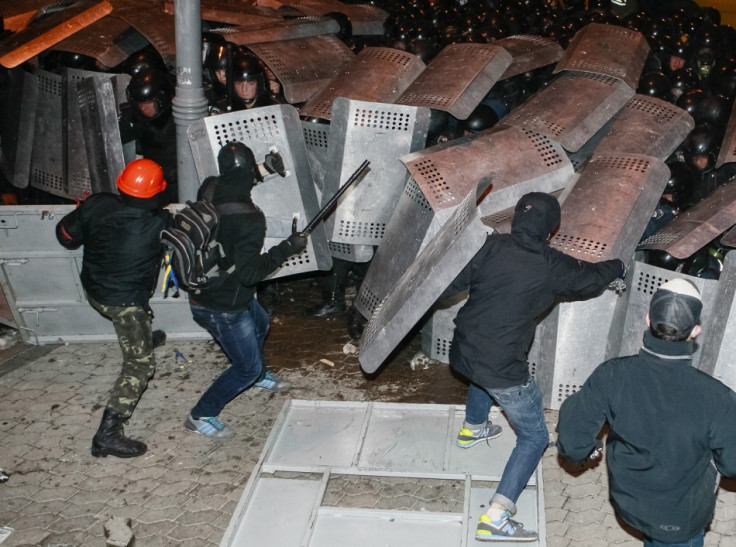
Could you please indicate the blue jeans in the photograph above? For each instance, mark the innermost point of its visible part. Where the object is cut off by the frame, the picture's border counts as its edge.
(241, 337)
(695, 541)
(525, 412)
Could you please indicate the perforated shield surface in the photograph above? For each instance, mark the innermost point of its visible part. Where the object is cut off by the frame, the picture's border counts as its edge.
(262, 129)
(528, 52)
(47, 160)
(156, 25)
(99, 41)
(697, 226)
(305, 65)
(607, 210)
(17, 127)
(379, 133)
(433, 270)
(572, 107)
(376, 74)
(365, 19)
(458, 78)
(727, 152)
(609, 50)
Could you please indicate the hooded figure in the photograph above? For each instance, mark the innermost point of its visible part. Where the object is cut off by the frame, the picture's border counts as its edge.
(512, 280)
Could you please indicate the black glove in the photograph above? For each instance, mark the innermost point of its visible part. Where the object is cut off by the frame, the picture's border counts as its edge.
(622, 274)
(297, 241)
(274, 163)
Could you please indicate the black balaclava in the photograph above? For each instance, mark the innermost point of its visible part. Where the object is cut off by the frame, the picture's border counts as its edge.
(536, 216)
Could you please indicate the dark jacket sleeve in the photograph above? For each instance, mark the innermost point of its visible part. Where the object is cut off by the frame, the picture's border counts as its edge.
(723, 436)
(581, 417)
(575, 278)
(251, 264)
(69, 230)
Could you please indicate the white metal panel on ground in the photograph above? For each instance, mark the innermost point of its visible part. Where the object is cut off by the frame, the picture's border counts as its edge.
(314, 442)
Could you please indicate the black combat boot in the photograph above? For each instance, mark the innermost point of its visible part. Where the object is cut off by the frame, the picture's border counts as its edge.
(333, 306)
(356, 323)
(110, 440)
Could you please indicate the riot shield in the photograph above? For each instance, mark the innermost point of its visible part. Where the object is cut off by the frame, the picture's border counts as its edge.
(697, 226)
(17, 126)
(727, 152)
(281, 199)
(316, 139)
(233, 13)
(457, 79)
(49, 134)
(99, 41)
(41, 35)
(572, 108)
(282, 29)
(428, 276)
(646, 125)
(154, 24)
(365, 19)
(96, 101)
(607, 50)
(305, 65)
(379, 133)
(376, 74)
(528, 52)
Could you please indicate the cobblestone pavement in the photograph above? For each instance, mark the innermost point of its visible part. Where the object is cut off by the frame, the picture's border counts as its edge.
(185, 489)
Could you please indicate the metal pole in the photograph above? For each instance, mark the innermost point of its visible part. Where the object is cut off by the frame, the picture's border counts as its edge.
(189, 104)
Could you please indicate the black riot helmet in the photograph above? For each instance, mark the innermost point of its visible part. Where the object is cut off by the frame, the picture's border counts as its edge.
(714, 110)
(151, 86)
(682, 80)
(681, 183)
(144, 59)
(211, 42)
(690, 100)
(247, 68)
(663, 259)
(482, 117)
(655, 84)
(236, 155)
(700, 148)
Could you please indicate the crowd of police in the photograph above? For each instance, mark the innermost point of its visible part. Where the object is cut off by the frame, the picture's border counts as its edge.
(692, 63)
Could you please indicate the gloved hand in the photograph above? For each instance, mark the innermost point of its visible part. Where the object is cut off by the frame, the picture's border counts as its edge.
(618, 285)
(274, 163)
(297, 241)
(622, 274)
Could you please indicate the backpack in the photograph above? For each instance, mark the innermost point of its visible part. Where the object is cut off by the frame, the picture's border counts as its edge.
(190, 248)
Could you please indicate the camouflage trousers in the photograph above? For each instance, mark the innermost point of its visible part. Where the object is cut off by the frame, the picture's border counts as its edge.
(133, 327)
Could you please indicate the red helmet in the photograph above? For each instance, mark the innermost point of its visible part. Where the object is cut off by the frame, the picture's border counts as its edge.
(142, 178)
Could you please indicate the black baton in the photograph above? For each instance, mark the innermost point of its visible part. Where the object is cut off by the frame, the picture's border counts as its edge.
(326, 209)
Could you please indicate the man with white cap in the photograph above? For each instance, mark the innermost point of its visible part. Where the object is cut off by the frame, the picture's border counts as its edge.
(671, 425)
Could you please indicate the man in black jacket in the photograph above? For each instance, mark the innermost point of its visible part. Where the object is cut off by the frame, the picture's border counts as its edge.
(229, 311)
(513, 280)
(671, 425)
(122, 254)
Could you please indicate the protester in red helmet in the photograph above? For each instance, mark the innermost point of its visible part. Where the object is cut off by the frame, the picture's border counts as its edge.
(122, 253)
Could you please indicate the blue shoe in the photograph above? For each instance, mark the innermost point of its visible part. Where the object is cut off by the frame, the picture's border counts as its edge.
(271, 382)
(209, 427)
(506, 529)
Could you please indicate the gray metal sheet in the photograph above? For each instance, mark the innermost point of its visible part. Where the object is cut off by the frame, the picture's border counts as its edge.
(305, 65)
(609, 50)
(47, 160)
(350, 252)
(458, 78)
(717, 350)
(697, 226)
(286, 29)
(376, 74)
(379, 133)
(316, 140)
(280, 198)
(727, 153)
(572, 108)
(529, 52)
(101, 141)
(607, 210)
(16, 129)
(154, 24)
(77, 165)
(366, 20)
(98, 41)
(235, 13)
(415, 292)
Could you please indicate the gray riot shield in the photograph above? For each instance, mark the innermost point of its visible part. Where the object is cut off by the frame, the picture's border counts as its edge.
(528, 52)
(428, 276)
(47, 159)
(379, 133)
(729, 238)
(50, 30)
(365, 19)
(517, 161)
(646, 125)
(316, 140)
(607, 50)
(17, 125)
(281, 199)
(223, 11)
(376, 74)
(99, 41)
(350, 252)
(697, 226)
(282, 29)
(458, 78)
(305, 65)
(607, 210)
(96, 101)
(155, 25)
(572, 108)
(727, 153)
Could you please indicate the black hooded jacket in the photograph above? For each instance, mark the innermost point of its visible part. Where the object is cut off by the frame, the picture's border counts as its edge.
(242, 236)
(513, 279)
